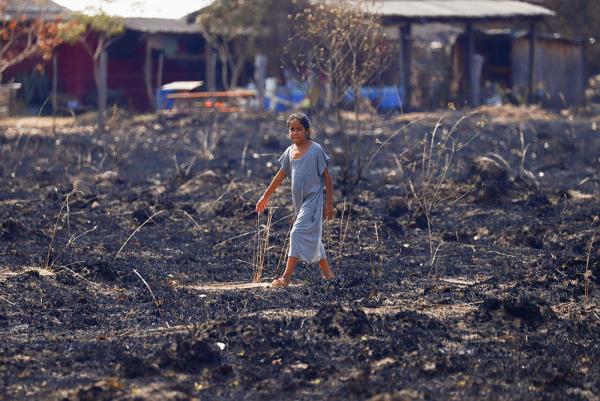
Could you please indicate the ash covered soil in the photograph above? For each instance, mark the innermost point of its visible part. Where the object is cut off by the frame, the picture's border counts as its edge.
(500, 301)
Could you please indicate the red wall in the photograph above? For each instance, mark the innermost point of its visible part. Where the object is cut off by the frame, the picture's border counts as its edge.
(125, 72)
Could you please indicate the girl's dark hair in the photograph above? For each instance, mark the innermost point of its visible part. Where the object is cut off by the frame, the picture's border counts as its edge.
(302, 119)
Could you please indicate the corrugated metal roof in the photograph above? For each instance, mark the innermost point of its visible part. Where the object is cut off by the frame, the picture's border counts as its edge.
(45, 9)
(160, 25)
(456, 9)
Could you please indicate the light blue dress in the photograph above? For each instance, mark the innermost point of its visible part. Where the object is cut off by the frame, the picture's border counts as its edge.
(307, 194)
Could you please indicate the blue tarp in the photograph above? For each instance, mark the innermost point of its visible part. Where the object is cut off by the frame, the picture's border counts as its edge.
(383, 97)
(286, 98)
(162, 103)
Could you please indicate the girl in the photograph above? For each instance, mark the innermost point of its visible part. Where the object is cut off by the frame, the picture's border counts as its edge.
(306, 163)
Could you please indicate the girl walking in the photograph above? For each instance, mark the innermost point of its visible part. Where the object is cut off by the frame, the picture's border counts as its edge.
(306, 163)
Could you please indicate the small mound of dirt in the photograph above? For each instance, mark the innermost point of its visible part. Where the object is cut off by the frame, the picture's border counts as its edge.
(104, 390)
(105, 271)
(11, 230)
(141, 215)
(529, 311)
(334, 320)
(490, 177)
(132, 366)
(397, 206)
(189, 354)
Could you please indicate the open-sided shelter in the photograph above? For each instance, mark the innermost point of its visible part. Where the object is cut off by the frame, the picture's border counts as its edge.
(474, 14)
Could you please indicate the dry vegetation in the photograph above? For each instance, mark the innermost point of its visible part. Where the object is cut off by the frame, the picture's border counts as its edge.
(133, 265)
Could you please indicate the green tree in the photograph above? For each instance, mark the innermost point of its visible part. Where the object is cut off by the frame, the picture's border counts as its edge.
(232, 29)
(95, 33)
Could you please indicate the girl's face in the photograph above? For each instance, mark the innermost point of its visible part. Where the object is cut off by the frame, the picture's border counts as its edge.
(297, 132)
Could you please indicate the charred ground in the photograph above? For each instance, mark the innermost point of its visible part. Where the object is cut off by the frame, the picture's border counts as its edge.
(500, 312)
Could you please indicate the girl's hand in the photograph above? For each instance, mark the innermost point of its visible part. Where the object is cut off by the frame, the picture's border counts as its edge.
(262, 204)
(329, 214)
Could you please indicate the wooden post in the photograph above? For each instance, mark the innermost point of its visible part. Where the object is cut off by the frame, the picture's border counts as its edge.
(148, 72)
(159, 71)
(531, 71)
(211, 69)
(260, 76)
(102, 89)
(406, 64)
(469, 55)
(584, 73)
(54, 90)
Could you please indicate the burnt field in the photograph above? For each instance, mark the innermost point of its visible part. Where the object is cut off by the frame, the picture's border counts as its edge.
(126, 258)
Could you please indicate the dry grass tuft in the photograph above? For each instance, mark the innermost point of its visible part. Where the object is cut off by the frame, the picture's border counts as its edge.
(262, 246)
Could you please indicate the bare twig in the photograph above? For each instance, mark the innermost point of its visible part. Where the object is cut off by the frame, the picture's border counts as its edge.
(55, 228)
(136, 230)
(7, 301)
(65, 267)
(588, 272)
(247, 233)
(382, 144)
(151, 292)
(70, 242)
(191, 218)
(343, 234)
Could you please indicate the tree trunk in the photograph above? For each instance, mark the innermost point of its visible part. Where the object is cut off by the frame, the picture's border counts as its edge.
(260, 75)
(224, 68)
(100, 74)
(235, 73)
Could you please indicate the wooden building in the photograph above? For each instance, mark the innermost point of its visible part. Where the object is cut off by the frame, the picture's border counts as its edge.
(25, 79)
(471, 15)
(152, 51)
(558, 67)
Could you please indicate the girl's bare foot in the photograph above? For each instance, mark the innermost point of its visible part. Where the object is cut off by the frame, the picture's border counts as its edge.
(280, 282)
(325, 269)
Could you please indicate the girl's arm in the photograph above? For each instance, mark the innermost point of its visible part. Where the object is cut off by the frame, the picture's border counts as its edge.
(328, 194)
(263, 202)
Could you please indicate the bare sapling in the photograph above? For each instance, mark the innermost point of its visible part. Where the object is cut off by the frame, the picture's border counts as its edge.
(427, 178)
(347, 46)
(51, 257)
